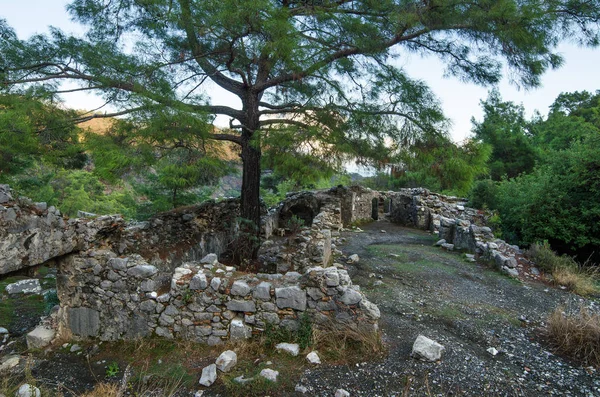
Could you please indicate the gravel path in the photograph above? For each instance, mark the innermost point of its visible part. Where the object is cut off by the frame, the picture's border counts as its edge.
(466, 307)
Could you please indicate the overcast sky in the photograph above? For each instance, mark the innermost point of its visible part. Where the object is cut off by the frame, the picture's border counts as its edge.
(460, 100)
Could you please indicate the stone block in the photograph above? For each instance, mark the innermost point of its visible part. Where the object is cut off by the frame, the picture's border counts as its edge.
(84, 321)
(427, 349)
(31, 286)
(291, 297)
(263, 291)
(40, 337)
(237, 305)
(240, 288)
(238, 330)
(199, 282)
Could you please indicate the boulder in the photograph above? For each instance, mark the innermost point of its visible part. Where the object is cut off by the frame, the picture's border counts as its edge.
(240, 288)
(28, 390)
(269, 374)
(290, 348)
(40, 337)
(342, 393)
(31, 286)
(238, 330)
(427, 349)
(226, 361)
(209, 375)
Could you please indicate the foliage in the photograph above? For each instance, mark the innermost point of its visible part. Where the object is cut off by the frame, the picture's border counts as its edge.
(440, 165)
(483, 194)
(112, 369)
(565, 270)
(31, 129)
(327, 67)
(275, 334)
(505, 129)
(294, 224)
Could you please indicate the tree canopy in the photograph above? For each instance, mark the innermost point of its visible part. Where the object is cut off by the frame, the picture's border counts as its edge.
(311, 75)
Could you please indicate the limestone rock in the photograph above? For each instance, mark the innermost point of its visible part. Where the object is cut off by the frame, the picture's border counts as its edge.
(40, 337)
(210, 259)
(269, 374)
(27, 390)
(209, 375)
(427, 349)
(9, 362)
(341, 393)
(240, 288)
(31, 286)
(291, 297)
(199, 282)
(354, 258)
(226, 361)
(290, 348)
(262, 291)
(313, 358)
(238, 330)
(237, 305)
(351, 297)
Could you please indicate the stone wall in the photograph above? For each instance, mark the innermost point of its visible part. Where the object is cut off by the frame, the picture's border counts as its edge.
(33, 233)
(114, 298)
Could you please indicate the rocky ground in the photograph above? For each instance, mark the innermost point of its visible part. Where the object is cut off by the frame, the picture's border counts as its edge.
(490, 325)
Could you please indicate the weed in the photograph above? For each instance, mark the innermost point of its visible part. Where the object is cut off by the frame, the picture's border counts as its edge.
(576, 335)
(303, 336)
(295, 224)
(112, 369)
(581, 279)
(51, 299)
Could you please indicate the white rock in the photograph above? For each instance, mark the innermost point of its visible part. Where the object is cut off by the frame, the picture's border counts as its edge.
(290, 348)
(353, 258)
(209, 375)
(39, 337)
(269, 374)
(301, 389)
(313, 358)
(31, 286)
(28, 390)
(9, 362)
(3, 331)
(492, 351)
(75, 348)
(199, 393)
(427, 349)
(341, 393)
(226, 361)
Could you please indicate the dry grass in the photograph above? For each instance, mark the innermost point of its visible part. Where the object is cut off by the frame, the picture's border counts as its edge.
(576, 335)
(103, 390)
(345, 344)
(581, 279)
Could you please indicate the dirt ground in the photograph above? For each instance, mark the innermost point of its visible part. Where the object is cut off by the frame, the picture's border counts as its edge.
(420, 290)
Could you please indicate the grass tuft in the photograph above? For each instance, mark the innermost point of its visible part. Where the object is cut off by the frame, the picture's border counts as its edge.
(581, 279)
(576, 335)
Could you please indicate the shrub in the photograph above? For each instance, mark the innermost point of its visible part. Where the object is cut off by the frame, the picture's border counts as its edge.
(576, 335)
(580, 279)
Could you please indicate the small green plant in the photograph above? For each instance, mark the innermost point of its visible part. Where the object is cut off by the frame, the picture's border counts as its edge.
(112, 369)
(51, 299)
(187, 296)
(295, 224)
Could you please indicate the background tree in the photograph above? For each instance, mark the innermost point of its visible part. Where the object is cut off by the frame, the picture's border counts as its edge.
(506, 130)
(323, 65)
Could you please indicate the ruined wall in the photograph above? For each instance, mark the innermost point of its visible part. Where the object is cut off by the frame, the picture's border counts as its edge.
(31, 233)
(115, 298)
(183, 234)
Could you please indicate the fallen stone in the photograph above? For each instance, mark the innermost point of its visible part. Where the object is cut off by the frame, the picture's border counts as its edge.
(226, 361)
(28, 390)
(493, 351)
(40, 337)
(341, 393)
(269, 374)
(3, 331)
(301, 389)
(290, 348)
(313, 358)
(440, 242)
(209, 375)
(75, 348)
(427, 349)
(354, 258)
(242, 381)
(31, 286)
(8, 363)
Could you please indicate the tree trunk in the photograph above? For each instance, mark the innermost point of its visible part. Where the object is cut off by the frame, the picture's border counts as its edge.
(248, 243)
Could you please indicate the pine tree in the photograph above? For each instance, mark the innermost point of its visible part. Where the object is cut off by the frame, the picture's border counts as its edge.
(312, 75)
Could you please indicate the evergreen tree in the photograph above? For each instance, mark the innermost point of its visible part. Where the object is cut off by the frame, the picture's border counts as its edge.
(325, 66)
